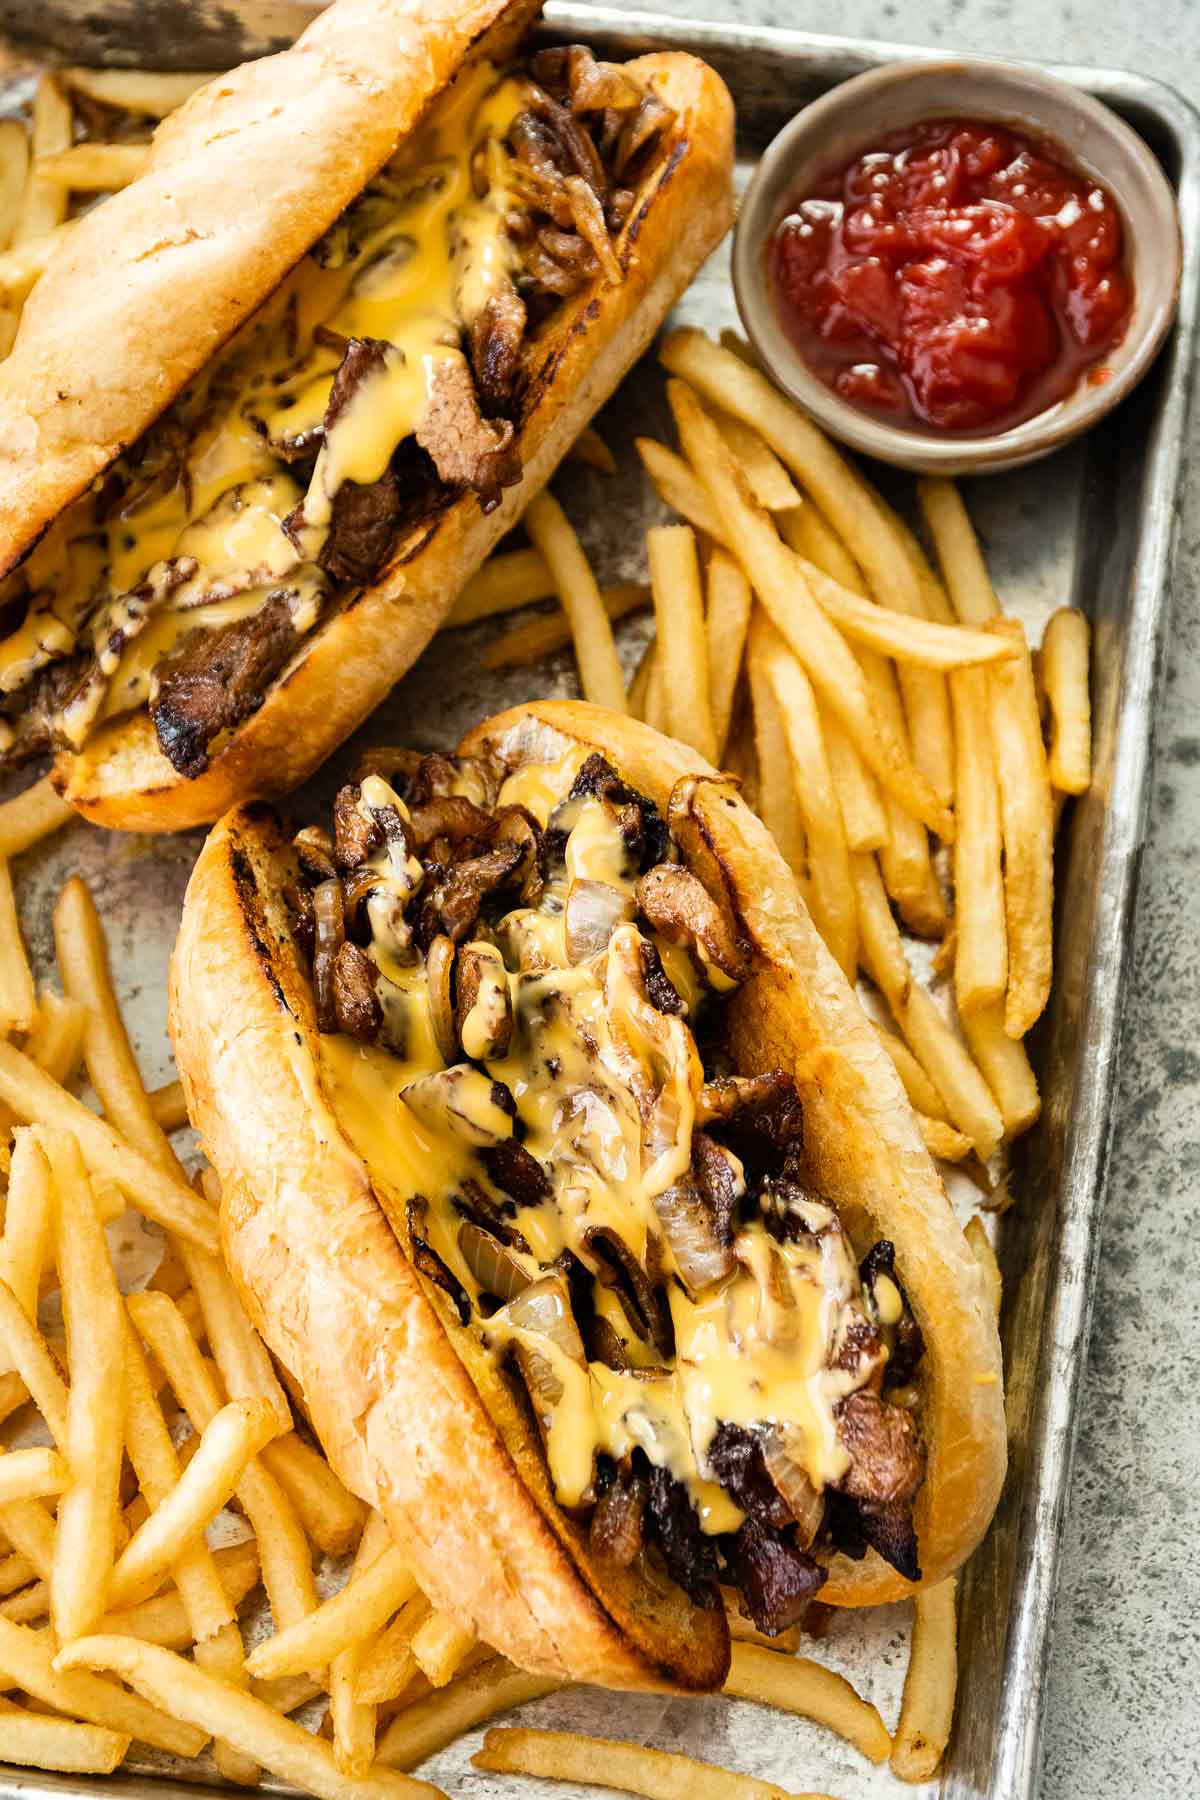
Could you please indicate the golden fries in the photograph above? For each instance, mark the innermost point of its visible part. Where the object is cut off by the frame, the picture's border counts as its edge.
(797, 1684)
(510, 579)
(168, 1107)
(927, 1710)
(599, 668)
(923, 1096)
(549, 632)
(30, 1356)
(943, 1141)
(165, 1619)
(44, 204)
(832, 896)
(94, 168)
(727, 622)
(981, 952)
(362, 1607)
(679, 614)
(27, 1659)
(56, 1041)
(430, 1724)
(1065, 651)
(777, 800)
(676, 485)
(770, 482)
(28, 1226)
(389, 1664)
(590, 449)
(1027, 818)
(440, 1646)
(217, 1710)
(18, 1002)
(14, 170)
(1005, 1067)
(135, 90)
(604, 1762)
(904, 858)
(905, 638)
(240, 1354)
(87, 1513)
(32, 1474)
(963, 568)
(38, 1742)
(331, 1515)
(863, 817)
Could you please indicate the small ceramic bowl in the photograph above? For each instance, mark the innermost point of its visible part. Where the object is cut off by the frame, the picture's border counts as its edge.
(843, 122)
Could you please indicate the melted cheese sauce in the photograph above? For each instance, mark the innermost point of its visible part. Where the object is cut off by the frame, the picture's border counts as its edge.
(415, 260)
(604, 1088)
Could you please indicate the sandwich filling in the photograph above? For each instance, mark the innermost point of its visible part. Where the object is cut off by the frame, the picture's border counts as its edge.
(520, 985)
(388, 374)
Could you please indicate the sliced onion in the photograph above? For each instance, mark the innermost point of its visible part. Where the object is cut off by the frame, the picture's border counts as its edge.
(544, 1307)
(329, 928)
(439, 970)
(496, 1269)
(783, 1445)
(593, 912)
(700, 1257)
(460, 1101)
(590, 223)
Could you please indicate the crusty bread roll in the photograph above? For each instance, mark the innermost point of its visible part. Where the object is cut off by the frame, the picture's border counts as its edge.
(411, 1413)
(148, 287)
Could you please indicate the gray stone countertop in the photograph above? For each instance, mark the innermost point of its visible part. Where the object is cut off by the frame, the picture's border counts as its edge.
(1123, 1709)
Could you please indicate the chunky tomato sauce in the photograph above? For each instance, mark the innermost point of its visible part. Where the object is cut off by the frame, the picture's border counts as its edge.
(958, 276)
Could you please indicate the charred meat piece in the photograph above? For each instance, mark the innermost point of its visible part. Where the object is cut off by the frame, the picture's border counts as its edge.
(676, 903)
(717, 1184)
(767, 1131)
(642, 825)
(736, 1457)
(572, 75)
(642, 1300)
(217, 680)
(329, 934)
(495, 340)
(362, 529)
(887, 1527)
(451, 816)
(617, 1529)
(430, 1264)
(906, 1344)
(314, 848)
(516, 1173)
(477, 1206)
(355, 1002)
(776, 1579)
(690, 1556)
(365, 359)
(468, 450)
(357, 834)
(660, 989)
(884, 1449)
(452, 907)
(743, 1097)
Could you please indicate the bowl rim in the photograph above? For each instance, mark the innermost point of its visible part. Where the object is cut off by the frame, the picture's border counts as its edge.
(919, 449)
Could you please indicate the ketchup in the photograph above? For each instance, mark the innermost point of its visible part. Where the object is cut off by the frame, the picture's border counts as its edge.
(958, 275)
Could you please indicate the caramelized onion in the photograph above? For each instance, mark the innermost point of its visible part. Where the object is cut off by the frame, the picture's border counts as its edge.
(544, 1308)
(496, 1269)
(462, 1101)
(782, 1447)
(593, 912)
(588, 215)
(700, 1256)
(439, 970)
(329, 935)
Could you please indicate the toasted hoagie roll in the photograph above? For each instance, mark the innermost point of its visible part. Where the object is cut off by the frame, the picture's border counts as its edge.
(273, 403)
(564, 1172)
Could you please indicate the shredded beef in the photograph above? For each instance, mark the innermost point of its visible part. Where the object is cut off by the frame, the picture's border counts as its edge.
(452, 907)
(716, 1185)
(362, 529)
(468, 450)
(356, 833)
(768, 1131)
(777, 1580)
(495, 339)
(660, 989)
(617, 1526)
(216, 681)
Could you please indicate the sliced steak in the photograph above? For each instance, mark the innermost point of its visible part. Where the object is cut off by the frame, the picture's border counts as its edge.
(776, 1579)
(468, 450)
(216, 681)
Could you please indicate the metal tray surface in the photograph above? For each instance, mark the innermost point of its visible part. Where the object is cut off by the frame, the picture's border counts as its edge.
(1093, 526)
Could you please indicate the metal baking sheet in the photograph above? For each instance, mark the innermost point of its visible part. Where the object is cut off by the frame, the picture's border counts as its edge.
(1093, 526)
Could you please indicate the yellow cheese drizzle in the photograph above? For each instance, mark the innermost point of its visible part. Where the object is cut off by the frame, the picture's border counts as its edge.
(753, 1349)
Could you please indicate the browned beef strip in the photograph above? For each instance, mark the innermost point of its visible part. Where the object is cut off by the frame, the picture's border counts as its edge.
(736, 1456)
(364, 358)
(660, 989)
(355, 834)
(468, 450)
(517, 1173)
(888, 1527)
(777, 1580)
(218, 679)
(642, 825)
(356, 1004)
(906, 1344)
(362, 529)
(495, 339)
(690, 1556)
(452, 905)
(884, 1448)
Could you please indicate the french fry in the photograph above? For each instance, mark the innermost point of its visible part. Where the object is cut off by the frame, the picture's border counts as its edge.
(169, 1107)
(679, 616)
(1065, 651)
(941, 1055)
(943, 1140)
(862, 811)
(805, 531)
(1027, 818)
(727, 621)
(508, 580)
(94, 168)
(923, 1096)
(164, 1198)
(217, 1710)
(655, 706)
(28, 1228)
(724, 379)
(25, 262)
(13, 1395)
(288, 1695)
(32, 1474)
(14, 171)
(240, 1354)
(389, 1664)
(33, 1741)
(904, 859)
(16, 1569)
(985, 1256)
(797, 1684)
(770, 482)
(354, 1719)
(927, 1709)
(833, 901)
(774, 573)
(56, 1041)
(87, 1512)
(590, 449)
(635, 694)
(283, 1547)
(963, 569)
(135, 90)
(363, 1606)
(1005, 1068)
(44, 204)
(430, 1724)
(10, 320)
(901, 636)
(30, 1530)
(599, 667)
(27, 1658)
(440, 1646)
(548, 632)
(777, 802)
(18, 1001)
(605, 1762)
(164, 1618)
(981, 955)
(29, 1355)
(331, 1515)
(180, 1519)
(677, 487)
